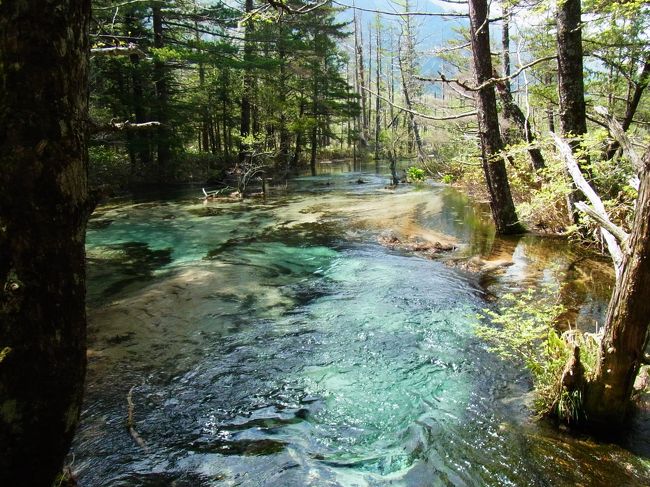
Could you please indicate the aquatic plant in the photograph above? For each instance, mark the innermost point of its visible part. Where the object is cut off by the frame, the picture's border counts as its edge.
(415, 174)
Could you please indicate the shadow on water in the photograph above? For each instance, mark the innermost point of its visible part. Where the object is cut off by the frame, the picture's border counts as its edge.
(278, 343)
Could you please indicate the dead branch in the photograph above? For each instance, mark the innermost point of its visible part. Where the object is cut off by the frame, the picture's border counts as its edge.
(113, 126)
(418, 114)
(612, 238)
(128, 50)
(616, 129)
(491, 81)
(130, 423)
(402, 14)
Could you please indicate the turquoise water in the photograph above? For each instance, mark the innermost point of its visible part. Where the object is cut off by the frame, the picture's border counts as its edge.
(278, 343)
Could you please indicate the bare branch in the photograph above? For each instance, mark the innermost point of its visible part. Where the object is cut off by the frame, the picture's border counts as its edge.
(402, 14)
(422, 115)
(617, 231)
(616, 129)
(123, 4)
(491, 81)
(128, 50)
(113, 126)
(282, 6)
(612, 238)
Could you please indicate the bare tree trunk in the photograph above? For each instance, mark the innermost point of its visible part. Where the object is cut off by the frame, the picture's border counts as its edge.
(503, 208)
(44, 207)
(361, 83)
(626, 326)
(378, 88)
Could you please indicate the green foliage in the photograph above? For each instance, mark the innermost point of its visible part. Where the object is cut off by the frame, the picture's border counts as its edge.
(522, 330)
(415, 174)
(108, 165)
(447, 178)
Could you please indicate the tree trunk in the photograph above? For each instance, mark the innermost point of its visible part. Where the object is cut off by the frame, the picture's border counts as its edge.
(626, 326)
(162, 97)
(503, 208)
(632, 105)
(314, 148)
(245, 126)
(573, 117)
(361, 83)
(378, 88)
(44, 206)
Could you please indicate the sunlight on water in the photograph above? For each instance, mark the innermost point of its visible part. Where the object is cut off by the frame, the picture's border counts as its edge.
(277, 343)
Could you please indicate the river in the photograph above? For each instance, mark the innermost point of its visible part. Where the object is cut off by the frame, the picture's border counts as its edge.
(277, 342)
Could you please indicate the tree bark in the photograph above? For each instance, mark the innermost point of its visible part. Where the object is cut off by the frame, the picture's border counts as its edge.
(44, 206)
(573, 116)
(503, 208)
(608, 394)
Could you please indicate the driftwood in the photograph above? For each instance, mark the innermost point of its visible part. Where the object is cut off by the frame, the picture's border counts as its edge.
(130, 423)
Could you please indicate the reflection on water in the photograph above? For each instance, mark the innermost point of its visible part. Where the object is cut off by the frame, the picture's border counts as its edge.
(277, 343)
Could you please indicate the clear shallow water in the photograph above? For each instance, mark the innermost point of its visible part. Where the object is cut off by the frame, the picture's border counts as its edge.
(277, 343)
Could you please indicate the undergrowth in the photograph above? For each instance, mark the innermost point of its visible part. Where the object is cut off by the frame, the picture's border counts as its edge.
(523, 330)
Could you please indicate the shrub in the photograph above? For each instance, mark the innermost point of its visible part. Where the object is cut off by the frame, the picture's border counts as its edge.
(522, 330)
(415, 174)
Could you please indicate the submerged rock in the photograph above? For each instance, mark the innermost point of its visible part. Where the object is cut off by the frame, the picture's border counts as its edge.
(415, 244)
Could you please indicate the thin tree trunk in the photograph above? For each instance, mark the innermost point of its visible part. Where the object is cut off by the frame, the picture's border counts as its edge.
(245, 127)
(361, 83)
(523, 125)
(503, 208)
(44, 207)
(626, 326)
(632, 105)
(299, 140)
(314, 148)
(413, 123)
(162, 96)
(378, 88)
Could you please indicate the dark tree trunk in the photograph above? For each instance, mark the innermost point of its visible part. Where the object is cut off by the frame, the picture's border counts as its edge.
(573, 118)
(503, 208)
(44, 207)
(626, 326)
(285, 139)
(162, 98)
(314, 148)
(140, 141)
(246, 106)
(299, 140)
